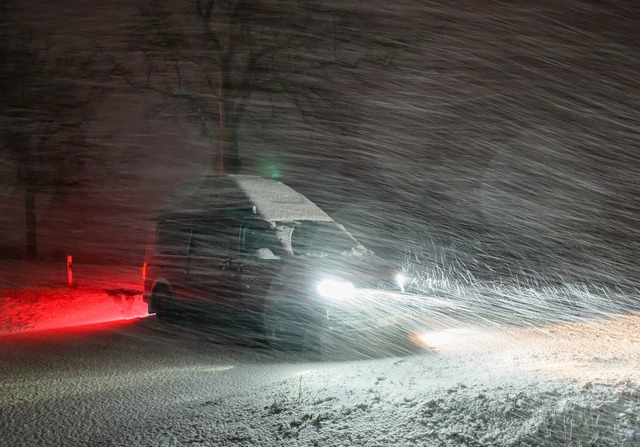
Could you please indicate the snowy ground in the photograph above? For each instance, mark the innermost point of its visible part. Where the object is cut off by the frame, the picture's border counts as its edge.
(571, 381)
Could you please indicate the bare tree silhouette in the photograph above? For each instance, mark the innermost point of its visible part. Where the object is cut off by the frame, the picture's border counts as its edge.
(213, 59)
(47, 97)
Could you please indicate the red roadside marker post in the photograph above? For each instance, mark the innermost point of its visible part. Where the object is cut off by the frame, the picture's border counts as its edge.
(70, 270)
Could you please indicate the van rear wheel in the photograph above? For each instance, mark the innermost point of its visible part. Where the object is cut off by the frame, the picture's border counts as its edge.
(166, 308)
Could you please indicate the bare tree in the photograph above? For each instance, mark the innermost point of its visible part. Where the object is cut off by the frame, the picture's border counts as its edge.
(215, 57)
(47, 97)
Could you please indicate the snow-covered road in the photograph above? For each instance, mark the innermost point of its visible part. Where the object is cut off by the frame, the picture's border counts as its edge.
(103, 384)
(516, 368)
(141, 383)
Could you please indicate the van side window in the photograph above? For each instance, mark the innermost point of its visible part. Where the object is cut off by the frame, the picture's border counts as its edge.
(173, 239)
(213, 240)
(254, 236)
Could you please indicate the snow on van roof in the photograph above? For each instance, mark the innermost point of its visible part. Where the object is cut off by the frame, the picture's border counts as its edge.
(276, 201)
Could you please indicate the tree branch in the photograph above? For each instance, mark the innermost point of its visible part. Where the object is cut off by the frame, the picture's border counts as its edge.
(205, 18)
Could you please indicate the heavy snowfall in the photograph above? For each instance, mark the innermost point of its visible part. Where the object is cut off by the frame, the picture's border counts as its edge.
(488, 150)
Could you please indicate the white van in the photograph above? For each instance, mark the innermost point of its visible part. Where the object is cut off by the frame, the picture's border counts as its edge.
(256, 251)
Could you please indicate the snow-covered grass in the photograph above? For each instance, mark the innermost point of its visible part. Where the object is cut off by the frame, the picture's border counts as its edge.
(502, 413)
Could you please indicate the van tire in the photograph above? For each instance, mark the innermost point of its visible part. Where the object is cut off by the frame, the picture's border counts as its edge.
(165, 305)
(287, 329)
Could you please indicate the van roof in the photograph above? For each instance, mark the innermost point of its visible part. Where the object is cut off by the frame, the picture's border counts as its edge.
(273, 200)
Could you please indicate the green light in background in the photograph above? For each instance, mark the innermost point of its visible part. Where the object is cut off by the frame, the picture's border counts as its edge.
(274, 172)
(272, 168)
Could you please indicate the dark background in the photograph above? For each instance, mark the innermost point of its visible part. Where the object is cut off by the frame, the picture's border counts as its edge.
(503, 141)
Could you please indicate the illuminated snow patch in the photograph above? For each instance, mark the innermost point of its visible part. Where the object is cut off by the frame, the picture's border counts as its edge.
(447, 337)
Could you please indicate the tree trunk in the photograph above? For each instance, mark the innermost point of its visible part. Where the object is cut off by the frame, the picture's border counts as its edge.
(233, 149)
(228, 152)
(30, 220)
(228, 159)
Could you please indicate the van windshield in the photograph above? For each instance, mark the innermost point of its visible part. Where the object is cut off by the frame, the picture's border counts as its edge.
(317, 238)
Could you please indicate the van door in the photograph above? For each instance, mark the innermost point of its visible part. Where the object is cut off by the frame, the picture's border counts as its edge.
(210, 274)
(170, 257)
(260, 258)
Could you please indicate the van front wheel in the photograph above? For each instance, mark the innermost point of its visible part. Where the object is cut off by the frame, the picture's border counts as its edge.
(288, 329)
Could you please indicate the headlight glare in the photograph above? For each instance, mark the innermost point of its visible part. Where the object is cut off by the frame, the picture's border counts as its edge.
(337, 290)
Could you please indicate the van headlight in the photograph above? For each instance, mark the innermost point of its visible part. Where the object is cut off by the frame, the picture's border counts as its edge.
(336, 290)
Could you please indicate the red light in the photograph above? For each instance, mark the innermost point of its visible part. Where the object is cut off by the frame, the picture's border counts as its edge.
(144, 271)
(70, 270)
(29, 310)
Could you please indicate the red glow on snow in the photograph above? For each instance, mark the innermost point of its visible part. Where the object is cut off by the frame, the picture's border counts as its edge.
(89, 311)
(41, 337)
(41, 309)
(97, 325)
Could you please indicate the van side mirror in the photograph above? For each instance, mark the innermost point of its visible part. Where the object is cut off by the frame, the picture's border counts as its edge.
(265, 254)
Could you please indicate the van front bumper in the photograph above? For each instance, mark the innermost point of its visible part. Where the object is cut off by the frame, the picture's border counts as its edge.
(370, 310)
